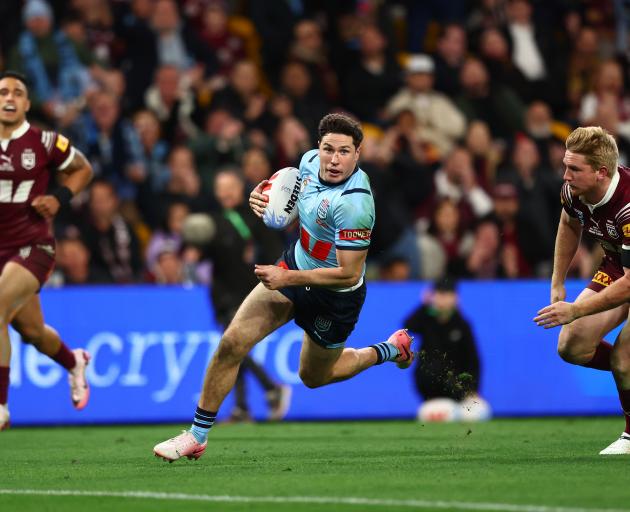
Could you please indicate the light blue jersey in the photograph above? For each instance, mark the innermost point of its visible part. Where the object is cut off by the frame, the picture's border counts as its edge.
(332, 216)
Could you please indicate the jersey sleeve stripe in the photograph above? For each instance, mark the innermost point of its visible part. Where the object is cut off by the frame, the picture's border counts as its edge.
(312, 158)
(67, 161)
(624, 211)
(46, 140)
(50, 139)
(356, 190)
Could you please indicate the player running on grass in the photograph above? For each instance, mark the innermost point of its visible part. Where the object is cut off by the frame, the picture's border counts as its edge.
(596, 200)
(29, 157)
(319, 282)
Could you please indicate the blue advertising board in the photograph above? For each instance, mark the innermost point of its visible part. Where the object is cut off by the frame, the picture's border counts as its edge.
(150, 347)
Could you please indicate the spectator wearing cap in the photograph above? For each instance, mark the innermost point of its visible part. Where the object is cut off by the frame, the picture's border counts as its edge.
(448, 365)
(49, 60)
(440, 123)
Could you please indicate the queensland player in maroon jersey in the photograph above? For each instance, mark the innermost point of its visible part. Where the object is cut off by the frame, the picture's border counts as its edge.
(596, 200)
(29, 159)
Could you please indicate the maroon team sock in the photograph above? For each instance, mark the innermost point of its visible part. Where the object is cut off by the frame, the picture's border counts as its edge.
(4, 384)
(601, 359)
(65, 357)
(624, 398)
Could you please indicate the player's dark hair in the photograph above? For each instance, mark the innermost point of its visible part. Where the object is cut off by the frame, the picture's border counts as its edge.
(17, 75)
(340, 123)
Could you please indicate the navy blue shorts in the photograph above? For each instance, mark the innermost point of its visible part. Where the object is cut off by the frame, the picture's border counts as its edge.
(327, 316)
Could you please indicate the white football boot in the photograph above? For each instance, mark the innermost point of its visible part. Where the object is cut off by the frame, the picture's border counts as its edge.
(620, 447)
(4, 417)
(79, 387)
(183, 445)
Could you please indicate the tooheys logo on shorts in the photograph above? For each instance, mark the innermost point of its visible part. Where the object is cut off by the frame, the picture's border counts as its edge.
(355, 234)
(294, 196)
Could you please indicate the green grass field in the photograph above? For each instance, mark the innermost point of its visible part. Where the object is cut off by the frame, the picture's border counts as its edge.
(529, 465)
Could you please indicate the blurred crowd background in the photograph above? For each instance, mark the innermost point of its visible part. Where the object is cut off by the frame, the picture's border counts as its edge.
(183, 107)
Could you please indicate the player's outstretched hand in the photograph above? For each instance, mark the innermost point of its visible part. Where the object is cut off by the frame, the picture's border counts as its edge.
(558, 313)
(257, 201)
(272, 276)
(46, 206)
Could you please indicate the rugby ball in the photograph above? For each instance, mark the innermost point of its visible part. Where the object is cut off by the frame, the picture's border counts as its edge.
(282, 191)
(475, 408)
(438, 410)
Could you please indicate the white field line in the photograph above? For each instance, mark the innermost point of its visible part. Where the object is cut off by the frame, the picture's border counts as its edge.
(420, 504)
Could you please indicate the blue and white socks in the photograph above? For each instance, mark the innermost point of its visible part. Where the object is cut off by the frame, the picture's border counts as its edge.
(202, 424)
(385, 352)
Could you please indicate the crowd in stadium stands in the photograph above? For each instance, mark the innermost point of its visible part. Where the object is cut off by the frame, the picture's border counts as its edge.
(465, 106)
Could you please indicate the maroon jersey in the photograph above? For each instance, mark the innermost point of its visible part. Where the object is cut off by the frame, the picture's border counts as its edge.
(608, 221)
(27, 161)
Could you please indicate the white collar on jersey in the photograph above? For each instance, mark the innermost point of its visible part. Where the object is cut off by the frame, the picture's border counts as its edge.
(609, 193)
(18, 132)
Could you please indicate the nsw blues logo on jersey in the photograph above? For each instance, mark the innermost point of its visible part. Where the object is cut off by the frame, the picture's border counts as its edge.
(322, 209)
(322, 212)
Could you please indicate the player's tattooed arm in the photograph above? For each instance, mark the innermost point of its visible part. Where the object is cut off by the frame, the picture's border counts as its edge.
(78, 173)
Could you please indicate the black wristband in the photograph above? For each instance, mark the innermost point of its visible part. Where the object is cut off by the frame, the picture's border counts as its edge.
(63, 195)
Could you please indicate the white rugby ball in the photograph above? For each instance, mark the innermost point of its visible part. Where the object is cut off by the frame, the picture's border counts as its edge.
(438, 410)
(475, 408)
(282, 190)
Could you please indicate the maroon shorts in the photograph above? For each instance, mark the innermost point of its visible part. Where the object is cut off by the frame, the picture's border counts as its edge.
(38, 258)
(607, 273)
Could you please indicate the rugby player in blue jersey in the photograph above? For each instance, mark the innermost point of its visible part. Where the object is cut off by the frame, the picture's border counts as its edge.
(319, 282)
